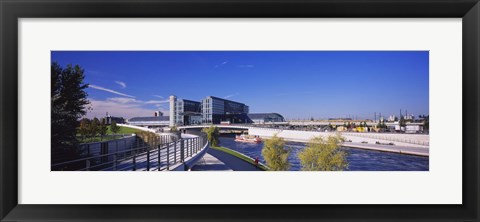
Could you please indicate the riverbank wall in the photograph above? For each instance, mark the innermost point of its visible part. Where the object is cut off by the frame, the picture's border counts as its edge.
(402, 143)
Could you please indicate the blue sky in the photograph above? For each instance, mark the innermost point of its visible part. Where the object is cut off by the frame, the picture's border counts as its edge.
(296, 84)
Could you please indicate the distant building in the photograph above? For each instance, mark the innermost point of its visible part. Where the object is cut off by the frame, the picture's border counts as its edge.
(261, 118)
(214, 110)
(414, 128)
(158, 113)
(109, 119)
(339, 119)
(149, 121)
(184, 112)
(392, 118)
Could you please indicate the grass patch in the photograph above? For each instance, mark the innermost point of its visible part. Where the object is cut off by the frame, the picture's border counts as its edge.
(108, 136)
(123, 130)
(239, 155)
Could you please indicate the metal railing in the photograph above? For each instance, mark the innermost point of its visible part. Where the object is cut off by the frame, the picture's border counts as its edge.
(154, 155)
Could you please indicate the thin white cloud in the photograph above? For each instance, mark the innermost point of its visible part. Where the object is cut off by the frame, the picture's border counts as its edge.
(156, 101)
(158, 96)
(121, 107)
(122, 84)
(221, 64)
(109, 90)
(231, 95)
(246, 66)
(124, 100)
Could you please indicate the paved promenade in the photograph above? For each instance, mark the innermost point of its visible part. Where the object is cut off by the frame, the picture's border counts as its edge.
(232, 162)
(209, 162)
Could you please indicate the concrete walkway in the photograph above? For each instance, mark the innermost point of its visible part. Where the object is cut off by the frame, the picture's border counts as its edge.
(209, 162)
(232, 162)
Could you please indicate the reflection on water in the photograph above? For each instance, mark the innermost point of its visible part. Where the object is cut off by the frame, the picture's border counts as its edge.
(358, 159)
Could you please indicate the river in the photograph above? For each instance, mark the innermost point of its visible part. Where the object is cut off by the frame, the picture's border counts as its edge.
(358, 159)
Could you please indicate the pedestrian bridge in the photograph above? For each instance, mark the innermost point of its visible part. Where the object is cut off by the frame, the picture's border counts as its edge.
(165, 152)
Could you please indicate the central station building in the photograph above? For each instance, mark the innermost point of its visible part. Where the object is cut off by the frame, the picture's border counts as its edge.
(213, 110)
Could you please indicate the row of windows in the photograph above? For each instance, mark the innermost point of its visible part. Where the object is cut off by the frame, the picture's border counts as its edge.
(211, 106)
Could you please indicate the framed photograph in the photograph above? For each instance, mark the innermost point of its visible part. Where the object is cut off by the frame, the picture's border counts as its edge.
(224, 110)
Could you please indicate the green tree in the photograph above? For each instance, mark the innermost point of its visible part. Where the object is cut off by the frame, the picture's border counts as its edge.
(323, 155)
(102, 129)
(212, 134)
(84, 127)
(68, 105)
(114, 127)
(94, 128)
(402, 122)
(173, 129)
(275, 154)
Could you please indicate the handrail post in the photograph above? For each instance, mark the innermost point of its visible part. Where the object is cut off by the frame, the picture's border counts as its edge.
(175, 152)
(134, 162)
(168, 156)
(182, 150)
(148, 160)
(115, 161)
(87, 163)
(158, 152)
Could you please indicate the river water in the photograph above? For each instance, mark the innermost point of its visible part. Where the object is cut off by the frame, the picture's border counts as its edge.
(358, 159)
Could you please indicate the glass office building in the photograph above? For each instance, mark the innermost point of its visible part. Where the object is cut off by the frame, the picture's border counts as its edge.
(216, 110)
(184, 112)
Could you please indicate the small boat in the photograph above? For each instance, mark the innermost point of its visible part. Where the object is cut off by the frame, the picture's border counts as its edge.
(248, 139)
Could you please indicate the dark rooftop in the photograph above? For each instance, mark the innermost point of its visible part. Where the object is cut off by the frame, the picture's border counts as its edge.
(264, 115)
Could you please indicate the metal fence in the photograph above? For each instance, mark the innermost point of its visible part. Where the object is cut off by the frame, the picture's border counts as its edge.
(161, 153)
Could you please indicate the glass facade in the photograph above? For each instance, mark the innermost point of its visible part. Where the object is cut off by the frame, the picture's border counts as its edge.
(214, 110)
(186, 112)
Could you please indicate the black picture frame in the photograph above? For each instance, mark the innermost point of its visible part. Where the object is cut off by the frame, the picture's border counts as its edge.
(11, 11)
